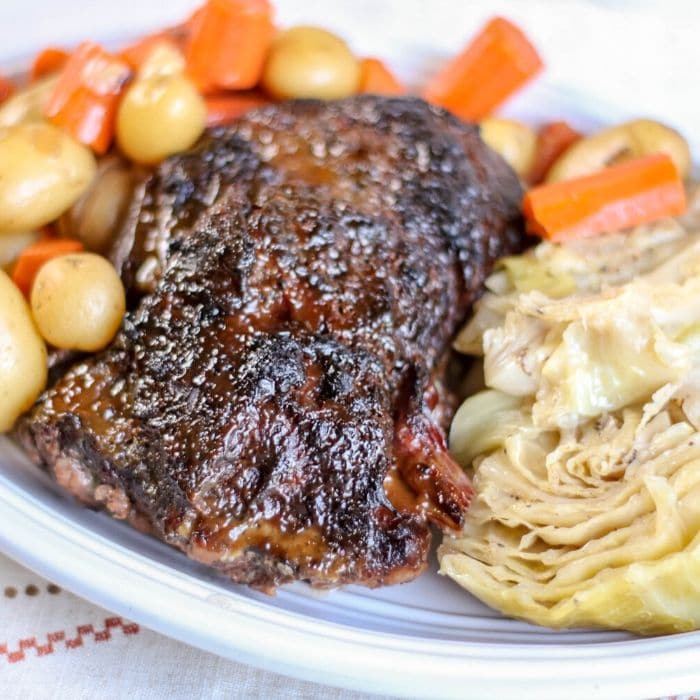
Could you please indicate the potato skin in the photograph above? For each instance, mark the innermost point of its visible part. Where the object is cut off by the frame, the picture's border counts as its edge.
(159, 116)
(634, 139)
(78, 302)
(514, 141)
(95, 217)
(23, 363)
(310, 62)
(43, 171)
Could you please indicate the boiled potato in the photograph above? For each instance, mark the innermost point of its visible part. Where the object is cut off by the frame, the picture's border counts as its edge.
(42, 172)
(23, 364)
(95, 217)
(163, 59)
(634, 139)
(78, 302)
(514, 141)
(159, 116)
(310, 62)
(28, 104)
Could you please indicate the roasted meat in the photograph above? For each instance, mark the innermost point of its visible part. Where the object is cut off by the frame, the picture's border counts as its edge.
(275, 401)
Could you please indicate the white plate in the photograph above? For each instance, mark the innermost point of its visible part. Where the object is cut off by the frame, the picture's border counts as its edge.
(426, 638)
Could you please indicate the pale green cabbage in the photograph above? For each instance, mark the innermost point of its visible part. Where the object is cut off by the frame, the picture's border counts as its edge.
(585, 446)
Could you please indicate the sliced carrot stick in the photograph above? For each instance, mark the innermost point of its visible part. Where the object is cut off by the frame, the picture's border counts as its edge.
(376, 78)
(32, 258)
(635, 192)
(49, 60)
(7, 87)
(229, 44)
(223, 109)
(497, 62)
(552, 140)
(85, 100)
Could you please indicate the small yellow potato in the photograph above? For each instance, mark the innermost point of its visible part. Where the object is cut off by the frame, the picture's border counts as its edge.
(23, 363)
(12, 244)
(28, 104)
(43, 171)
(78, 302)
(163, 59)
(310, 62)
(160, 116)
(514, 141)
(641, 137)
(95, 217)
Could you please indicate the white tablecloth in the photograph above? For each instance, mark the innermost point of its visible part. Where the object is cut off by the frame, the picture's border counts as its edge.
(56, 646)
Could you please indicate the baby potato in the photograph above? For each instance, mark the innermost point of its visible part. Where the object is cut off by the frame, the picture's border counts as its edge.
(23, 363)
(514, 141)
(78, 302)
(163, 59)
(28, 104)
(634, 139)
(159, 116)
(95, 217)
(43, 171)
(310, 62)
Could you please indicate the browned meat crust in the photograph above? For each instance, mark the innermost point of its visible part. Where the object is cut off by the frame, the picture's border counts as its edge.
(272, 404)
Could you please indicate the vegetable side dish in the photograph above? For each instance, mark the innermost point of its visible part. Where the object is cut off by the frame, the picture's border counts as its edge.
(585, 443)
(227, 315)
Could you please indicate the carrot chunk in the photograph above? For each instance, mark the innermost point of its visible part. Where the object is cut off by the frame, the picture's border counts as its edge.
(632, 193)
(377, 79)
(32, 258)
(552, 140)
(50, 60)
(85, 100)
(497, 62)
(229, 43)
(223, 109)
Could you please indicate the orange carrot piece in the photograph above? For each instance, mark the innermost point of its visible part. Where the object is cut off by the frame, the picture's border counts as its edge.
(85, 100)
(376, 78)
(49, 60)
(32, 258)
(229, 43)
(497, 62)
(7, 87)
(552, 140)
(632, 193)
(223, 109)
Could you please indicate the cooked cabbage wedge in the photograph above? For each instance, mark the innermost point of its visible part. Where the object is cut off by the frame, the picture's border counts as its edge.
(585, 446)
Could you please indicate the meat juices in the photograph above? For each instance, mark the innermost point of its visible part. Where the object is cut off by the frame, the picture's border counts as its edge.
(274, 404)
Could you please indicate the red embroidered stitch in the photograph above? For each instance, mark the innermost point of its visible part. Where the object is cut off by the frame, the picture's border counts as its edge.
(52, 638)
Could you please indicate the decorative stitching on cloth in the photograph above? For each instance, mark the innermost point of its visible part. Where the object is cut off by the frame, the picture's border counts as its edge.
(82, 631)
(10, 592)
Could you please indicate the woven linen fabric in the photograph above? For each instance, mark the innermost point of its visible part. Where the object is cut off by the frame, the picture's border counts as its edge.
(53, 645)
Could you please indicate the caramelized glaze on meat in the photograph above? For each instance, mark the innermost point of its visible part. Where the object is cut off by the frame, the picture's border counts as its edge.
(274, 404)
